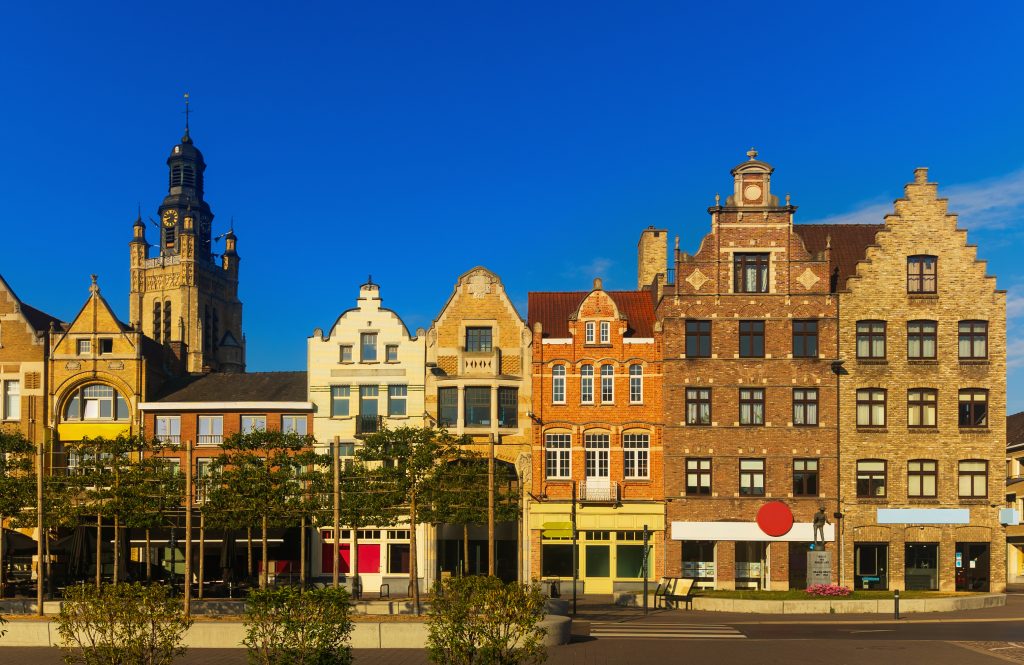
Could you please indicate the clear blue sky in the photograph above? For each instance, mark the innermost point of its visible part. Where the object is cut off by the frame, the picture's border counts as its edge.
(414, 140)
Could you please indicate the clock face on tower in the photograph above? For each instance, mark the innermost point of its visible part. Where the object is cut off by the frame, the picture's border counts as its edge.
(170, 217)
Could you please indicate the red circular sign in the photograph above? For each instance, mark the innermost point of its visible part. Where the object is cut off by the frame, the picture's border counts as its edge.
(775, 518)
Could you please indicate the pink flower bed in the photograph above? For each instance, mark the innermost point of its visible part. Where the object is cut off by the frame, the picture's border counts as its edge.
(827, 590)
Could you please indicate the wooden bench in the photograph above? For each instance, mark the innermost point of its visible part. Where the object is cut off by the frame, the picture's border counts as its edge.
(679, 589)
(659, 592)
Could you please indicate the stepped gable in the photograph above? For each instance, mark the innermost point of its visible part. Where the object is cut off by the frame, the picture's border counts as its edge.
(236, 387)
(849, 243)
(554, 309)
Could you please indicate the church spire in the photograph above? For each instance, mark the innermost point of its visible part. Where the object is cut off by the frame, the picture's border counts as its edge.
(186, 168)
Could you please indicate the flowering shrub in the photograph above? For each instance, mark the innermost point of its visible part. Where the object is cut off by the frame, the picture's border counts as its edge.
(827, 590)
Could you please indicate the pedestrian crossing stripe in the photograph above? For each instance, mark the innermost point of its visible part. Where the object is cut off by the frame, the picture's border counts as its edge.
(663, 631)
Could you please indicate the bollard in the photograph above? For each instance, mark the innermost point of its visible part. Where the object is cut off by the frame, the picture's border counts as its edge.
(896, 603)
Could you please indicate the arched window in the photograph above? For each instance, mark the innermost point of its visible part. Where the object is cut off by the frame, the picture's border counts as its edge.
(96, 401)
(558, 384)
(636, 384)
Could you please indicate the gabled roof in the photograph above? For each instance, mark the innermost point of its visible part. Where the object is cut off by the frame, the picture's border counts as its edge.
(553, 310)
(849, 243)
(1015, 431)
(38, 319)
(231, 387)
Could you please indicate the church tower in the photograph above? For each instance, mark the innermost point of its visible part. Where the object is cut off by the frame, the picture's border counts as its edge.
(182, 297)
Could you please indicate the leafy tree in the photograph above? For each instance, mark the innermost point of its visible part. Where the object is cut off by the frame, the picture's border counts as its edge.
(481, 620)
(410, 458)
(259, 481)
(286, 626)
(121, 623)
(17, 485)
(147, 492)
(457, 494)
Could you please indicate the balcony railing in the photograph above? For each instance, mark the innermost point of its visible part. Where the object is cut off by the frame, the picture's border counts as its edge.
(169, 438)
(368, 424)
(598, 492)
(210, 439)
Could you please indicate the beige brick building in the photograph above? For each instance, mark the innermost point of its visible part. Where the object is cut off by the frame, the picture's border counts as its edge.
(922, 406)
(478, 352)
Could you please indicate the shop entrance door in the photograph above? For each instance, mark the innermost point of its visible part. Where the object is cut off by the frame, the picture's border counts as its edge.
(871, 565)
(972, 566)
(597, 569)
(921, 567)
(798, 565)
(750, 565)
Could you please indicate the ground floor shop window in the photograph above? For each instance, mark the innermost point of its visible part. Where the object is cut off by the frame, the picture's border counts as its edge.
(750, 565)
(556, 560)
(871, 565)
(699, 562)
(398, 558)
(598, 561)
(972, 566)
(921, 567)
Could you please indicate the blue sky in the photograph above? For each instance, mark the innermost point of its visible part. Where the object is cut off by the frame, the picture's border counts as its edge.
(415, 140)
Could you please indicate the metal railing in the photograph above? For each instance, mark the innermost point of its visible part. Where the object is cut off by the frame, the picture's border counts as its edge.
(209, 439)
(598, 493)
(169, 438)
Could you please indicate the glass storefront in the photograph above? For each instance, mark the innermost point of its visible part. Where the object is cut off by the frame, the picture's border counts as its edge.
(699, 562)
(750, 565)
(921, 567)
(606, 558)
(871, 565)
(972, 566)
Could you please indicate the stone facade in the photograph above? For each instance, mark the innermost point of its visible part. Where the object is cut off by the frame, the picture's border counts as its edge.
(747, 407)
(477, 352)
(597, 435)
(356, 388)
(923, 416)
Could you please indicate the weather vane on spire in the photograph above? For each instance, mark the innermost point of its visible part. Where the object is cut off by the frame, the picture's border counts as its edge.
(187, 112)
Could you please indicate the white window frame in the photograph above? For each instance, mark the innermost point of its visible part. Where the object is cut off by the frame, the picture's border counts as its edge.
(587, 384)
(343, 351)
(636, 451)
(606, 332)
(636, 384)
(363, 355)
(589, 327)
(558, 384)
(214, 430)
(12, 407)
(254, 418)
(558, 456)
(168, 429)
(395, 399)
(347, 398)
(293, 418)
(83, 346)
(607, 384)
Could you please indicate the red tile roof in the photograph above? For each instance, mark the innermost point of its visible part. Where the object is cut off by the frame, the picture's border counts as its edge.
(849, 243)
(553, 310)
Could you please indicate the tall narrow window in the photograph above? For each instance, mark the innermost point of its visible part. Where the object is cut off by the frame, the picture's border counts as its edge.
(157, 318)
(698, 476)
(167, 321)
(805, 477)
(805, 338)
(369, 409)
(636, 384)
(751, 477)
(368, 347)
(751, 406)
(698, 406)
(557, 456)
(698, 339)
(589, 334)
(397, 398)
(636, 455)
(478, 406)
(12, 400)
(587, 384)
(922, 478)
(973, 408)
(606, 332)
(508, 407)
(871, 339)
(339, 401)
(478, 339)
(973, 340)
(871, 478)
(973, 479)
(558, 384)
(922, 273)
(750, 273)
(752, 339)
(805, 407)
(607, 384)
(921, 340)
(921, 407)
(448, 407)
(871, 407)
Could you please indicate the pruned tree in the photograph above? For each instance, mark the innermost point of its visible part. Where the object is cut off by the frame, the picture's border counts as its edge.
(148, 491)
(17, 486)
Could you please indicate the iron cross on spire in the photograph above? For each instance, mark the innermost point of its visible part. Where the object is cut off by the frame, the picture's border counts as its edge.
(187, 111)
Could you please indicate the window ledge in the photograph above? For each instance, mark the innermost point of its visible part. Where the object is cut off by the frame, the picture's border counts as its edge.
(872, 361)
(974, 501)
(924, 501)
(923, 296)
(872, 500)
(369, 362)
(922, 361)
(974, 430)
(868, 429)
(974, 361)
(598, 345)
(922, 430)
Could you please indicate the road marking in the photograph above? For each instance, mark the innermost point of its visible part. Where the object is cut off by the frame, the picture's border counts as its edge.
(880, 630)
(664, 631)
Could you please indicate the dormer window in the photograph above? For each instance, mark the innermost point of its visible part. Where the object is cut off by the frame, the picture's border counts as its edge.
(589, 337)
(750, 273)
(606, 332)
(922, 273)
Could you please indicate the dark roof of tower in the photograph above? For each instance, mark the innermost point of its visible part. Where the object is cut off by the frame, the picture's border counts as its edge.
(232, 387)
(554, 308)
(1015, 431)
(849, 243)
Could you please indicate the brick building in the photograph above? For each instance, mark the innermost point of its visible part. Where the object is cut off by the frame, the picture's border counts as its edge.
(923, 426)
(750, 399)
(1015, 498)
(597, 411)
